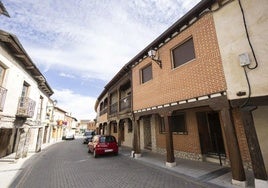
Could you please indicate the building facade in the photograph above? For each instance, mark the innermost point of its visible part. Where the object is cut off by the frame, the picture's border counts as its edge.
(24, 95)
(201, 92)
(243, 51)
(114, 107)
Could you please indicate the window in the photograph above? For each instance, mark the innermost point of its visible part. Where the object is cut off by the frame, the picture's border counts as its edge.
(146, 74)
(25, 89)
(178, 123)
(183, 53)
(24, 93)
(40, 108)
(2, 74)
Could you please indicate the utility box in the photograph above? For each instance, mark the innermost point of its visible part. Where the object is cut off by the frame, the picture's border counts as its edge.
(244, 59)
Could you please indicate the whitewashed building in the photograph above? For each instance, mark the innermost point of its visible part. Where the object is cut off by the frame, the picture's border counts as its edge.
(24, 96)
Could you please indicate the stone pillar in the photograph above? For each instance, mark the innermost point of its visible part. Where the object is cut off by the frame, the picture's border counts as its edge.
(154, 122)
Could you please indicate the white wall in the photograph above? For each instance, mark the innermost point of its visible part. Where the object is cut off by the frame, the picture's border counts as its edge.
(13, 82)
(232, 42)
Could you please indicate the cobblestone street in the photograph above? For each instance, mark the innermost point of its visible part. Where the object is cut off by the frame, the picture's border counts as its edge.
(67, 164)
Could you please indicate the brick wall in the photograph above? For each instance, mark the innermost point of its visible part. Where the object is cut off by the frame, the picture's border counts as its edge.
(184, 143)
(201, 76)
(242, 141)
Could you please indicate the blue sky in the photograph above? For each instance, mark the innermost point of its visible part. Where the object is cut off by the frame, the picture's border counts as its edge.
(79, 45)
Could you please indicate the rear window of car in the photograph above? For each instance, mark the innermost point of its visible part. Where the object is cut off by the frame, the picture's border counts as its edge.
(89, 133)
(106, 139)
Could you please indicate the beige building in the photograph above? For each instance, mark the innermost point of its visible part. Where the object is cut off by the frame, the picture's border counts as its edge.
(243, 41)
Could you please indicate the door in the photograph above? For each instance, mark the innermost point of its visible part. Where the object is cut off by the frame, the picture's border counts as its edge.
(210, 133)
(5, 135)
(147, 133)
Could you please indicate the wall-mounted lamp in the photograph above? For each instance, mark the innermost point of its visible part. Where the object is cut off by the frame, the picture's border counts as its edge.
(152, 55)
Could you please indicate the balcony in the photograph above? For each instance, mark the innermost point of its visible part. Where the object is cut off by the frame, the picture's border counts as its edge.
(3, 93)
(113, 108)
(103, 111)
(125, 103)
(26, 107)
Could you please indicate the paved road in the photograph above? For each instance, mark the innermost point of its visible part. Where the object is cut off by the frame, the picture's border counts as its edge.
(67, 164)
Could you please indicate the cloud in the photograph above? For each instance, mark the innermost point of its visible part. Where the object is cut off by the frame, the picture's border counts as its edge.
(66, 75)
(87, 40)
(78, 105)
(94, 39)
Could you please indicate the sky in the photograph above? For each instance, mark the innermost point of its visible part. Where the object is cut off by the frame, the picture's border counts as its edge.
(79, 45)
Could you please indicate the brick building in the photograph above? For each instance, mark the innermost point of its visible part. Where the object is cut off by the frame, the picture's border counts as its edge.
(200, 93)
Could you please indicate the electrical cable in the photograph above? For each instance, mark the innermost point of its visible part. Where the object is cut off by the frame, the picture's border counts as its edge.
(249, 89)
(251, 47)
(253, 52)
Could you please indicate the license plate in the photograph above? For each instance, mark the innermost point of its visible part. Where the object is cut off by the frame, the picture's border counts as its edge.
(108, 150)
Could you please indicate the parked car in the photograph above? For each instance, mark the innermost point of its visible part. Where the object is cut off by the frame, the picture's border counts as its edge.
(69, 135)
(103, 144)
(88, 135)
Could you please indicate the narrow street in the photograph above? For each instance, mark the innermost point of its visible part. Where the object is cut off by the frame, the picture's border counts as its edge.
(67, 164)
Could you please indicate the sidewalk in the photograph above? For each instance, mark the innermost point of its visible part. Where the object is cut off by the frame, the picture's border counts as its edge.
(10, 167)
(203, 172)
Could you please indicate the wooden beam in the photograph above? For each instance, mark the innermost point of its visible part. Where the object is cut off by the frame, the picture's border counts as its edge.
(169, 138)
(238, 172)
(253, 143)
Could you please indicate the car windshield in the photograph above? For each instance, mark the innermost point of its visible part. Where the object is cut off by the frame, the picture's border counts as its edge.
(89, 133)
(106, 139)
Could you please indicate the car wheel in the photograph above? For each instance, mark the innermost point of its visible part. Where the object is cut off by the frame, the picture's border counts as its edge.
(95, 154)
(116, 153)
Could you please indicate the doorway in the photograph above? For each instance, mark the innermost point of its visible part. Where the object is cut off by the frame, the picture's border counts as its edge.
(5, 138)
(147, 133)
(210, 134)
(122, 130)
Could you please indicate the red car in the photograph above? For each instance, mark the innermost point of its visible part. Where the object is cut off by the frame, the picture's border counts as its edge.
(103, 144)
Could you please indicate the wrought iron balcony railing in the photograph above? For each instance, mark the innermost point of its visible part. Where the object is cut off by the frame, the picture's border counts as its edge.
(113, 108)
(3, 93)
(103, 111)
(26, 107)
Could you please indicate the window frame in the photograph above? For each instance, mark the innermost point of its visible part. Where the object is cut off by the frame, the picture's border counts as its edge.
(2, 74)
(174, 66)
(142, 81)
(173, 124)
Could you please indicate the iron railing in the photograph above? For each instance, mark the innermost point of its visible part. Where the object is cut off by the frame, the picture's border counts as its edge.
(113, 108)
(103, 111)
(26, 107)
